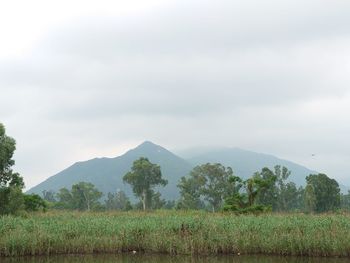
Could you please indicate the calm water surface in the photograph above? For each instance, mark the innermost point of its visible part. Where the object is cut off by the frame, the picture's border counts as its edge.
(166, 259)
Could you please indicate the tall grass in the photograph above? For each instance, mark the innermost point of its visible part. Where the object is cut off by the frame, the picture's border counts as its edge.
(175, 232)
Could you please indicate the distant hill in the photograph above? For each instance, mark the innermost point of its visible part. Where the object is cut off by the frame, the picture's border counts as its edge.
(107, 173)
(246, 163)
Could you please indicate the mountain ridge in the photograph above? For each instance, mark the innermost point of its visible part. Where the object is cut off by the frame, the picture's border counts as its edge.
(106, 173)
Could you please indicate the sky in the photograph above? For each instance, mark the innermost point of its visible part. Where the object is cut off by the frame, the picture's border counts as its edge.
(85, 79)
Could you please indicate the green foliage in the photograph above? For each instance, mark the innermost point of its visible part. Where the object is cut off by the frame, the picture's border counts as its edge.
(83, 196)
(266, 187)
(143, 177)
(34, 202)
(309, 199)
(64, 199)
(322, 193)
(11, 184)
(11, 200)
(190, 191)
(156, 202)
(175, 232)
(345, 201)
(210, 181)
(280, 194)
(118, 201)
(49, 196)
(243, 200)
(170, 204)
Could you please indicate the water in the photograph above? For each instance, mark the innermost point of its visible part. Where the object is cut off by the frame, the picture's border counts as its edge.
(168, 259)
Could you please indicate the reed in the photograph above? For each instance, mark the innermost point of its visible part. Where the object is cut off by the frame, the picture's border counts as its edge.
(175, 232)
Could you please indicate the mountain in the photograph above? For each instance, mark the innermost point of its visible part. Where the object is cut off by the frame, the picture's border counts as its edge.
(107, 173)
(246, 163)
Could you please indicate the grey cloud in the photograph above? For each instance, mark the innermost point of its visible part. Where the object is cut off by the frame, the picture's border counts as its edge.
(196, 73)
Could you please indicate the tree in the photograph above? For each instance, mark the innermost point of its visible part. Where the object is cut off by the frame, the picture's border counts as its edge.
(170, 204)
(309, 199)
(284, 190)
(326, 192)
(118, 201)
(85, 196)
(11, 200)
(11, 184)
(345, 201)
(34, 202)
(216, 185)
(209, 182)
(49, 196)
(65, 199)
(265, 182)
(143, 177)
(246, 192)
(280, 194)
(156, 202)
(291, 197)
(190, 192)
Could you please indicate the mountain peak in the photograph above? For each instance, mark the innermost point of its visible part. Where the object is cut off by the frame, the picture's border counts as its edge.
(148, 148)
(148, 143)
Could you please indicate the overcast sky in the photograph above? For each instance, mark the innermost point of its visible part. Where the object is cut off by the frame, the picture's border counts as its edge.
(84, 79)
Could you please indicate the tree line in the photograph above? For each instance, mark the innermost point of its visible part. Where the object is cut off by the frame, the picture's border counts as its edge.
(211, 187)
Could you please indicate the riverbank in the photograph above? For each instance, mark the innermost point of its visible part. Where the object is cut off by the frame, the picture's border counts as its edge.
(174, 232)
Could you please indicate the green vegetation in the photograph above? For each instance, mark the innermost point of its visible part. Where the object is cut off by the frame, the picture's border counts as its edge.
(175, 232)
(11, 183)
(118, 201)
(208, 187)
(83, 196)
(143, 177)
(107, 173)
(324, 194)
(12, 199)
(210, 181)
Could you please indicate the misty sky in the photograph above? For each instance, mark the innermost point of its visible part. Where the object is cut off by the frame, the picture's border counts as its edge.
(85, 79)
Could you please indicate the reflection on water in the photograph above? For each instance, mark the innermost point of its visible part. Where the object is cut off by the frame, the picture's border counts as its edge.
(167, 259)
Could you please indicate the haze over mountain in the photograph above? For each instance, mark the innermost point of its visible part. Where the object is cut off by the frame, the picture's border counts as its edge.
(245, 163)
(106, 173)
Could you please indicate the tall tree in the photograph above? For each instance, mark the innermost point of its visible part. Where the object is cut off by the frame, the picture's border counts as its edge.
(49, 196)
(65, 199)
(118, 201)
(155, 200)
(190, 192)
(326, 191)
(309, 199)
(345, 201)
(85, 196)
(281, 194)
(216, 185)
(143, 177)
(11, 184)
(34, 202)
(266, 187)
(244, 198)
(207, 181)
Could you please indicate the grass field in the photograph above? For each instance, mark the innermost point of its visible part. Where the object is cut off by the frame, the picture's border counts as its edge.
(175, 232)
